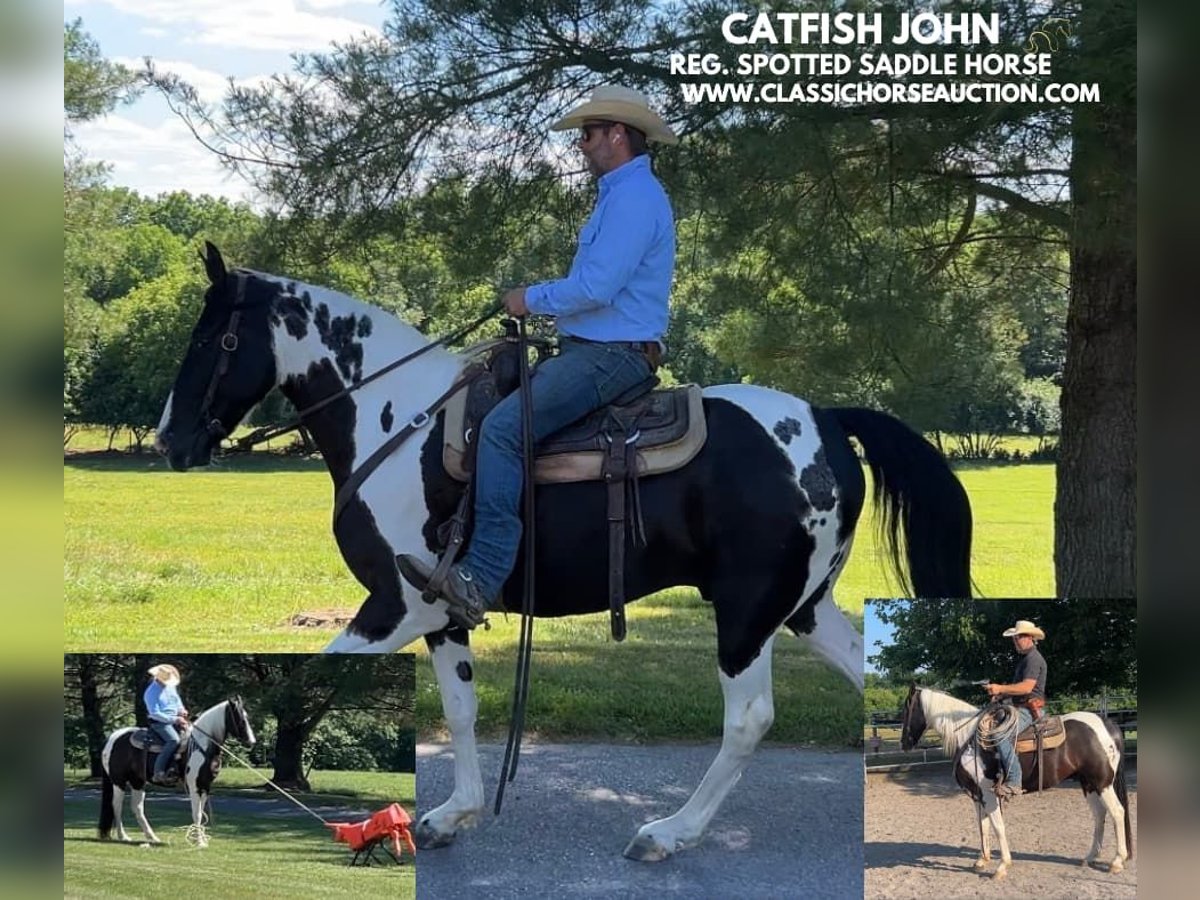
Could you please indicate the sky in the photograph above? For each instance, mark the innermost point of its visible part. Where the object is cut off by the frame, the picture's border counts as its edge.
(205, 42)
(875, 634)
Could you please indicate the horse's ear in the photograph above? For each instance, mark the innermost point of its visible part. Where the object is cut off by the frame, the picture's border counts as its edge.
(214, 265)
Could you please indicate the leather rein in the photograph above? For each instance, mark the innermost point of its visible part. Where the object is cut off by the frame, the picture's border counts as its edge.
(229, 345)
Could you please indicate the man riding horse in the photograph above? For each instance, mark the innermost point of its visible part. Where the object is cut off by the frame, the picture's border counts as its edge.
(1028, 690)
(166, 711)
(610, 312)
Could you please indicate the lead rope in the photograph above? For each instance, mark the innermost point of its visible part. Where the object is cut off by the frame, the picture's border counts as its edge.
(246, 765)
(512, 752)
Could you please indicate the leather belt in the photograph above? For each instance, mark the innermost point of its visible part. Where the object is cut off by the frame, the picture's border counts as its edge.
(652, 350)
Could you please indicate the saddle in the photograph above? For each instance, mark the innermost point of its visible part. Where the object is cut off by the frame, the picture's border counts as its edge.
(646, 431)
(147, 739)
(1044, 734)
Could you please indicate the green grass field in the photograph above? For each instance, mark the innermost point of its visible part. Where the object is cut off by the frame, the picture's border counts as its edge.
(221, 559)
(249, 855)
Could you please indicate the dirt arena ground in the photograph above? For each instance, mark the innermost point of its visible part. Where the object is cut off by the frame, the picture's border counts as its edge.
(922, 841)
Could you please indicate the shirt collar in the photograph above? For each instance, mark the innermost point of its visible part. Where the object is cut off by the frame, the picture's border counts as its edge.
(625, 171)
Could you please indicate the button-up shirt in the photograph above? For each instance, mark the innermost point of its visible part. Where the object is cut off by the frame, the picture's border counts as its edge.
(620, 279)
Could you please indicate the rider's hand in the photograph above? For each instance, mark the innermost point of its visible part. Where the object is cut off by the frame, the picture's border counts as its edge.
(993, 690)
(514, 302)
(181, 720)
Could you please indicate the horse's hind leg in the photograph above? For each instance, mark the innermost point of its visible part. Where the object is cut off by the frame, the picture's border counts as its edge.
(453, 666)
(1117, 812)
(1097, 807)
(749, 712)
(138, 802)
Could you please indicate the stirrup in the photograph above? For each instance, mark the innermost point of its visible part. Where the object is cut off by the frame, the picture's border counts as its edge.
(414, 572)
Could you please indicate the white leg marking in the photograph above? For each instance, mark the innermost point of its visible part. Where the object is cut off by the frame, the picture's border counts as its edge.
(996, 818)
(985, 838)
(139, 812)
(749, 712)
(421, 619)
(163, 421)
(464, 807)
(118, 802)
(1097, 807)
(837, 641)
(1117, 812)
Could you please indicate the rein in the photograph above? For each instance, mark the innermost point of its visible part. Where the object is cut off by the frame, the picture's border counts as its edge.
(229, 343)
(512, 751)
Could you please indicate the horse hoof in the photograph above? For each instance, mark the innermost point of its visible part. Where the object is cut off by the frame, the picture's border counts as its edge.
(981, 865)
(1117, 867)
(1000, 874)
(644, 848)
(426, 837)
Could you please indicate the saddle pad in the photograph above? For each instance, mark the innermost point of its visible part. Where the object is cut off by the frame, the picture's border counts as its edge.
(670, 423)
(1053, 734)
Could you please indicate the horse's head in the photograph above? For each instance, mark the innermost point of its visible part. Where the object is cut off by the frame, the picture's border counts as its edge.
(229, 365)
(912, 724)
(237, 723)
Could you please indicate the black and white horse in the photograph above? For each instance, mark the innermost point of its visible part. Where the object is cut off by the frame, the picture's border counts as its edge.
(760, 522)
(128, 768)
(1093, 754)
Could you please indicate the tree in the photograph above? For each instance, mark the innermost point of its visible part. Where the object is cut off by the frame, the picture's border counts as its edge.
(1090, 645)
(92, 85)
(881, 204)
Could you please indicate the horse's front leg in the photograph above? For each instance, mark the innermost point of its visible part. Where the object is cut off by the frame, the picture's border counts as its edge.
(118, 801)
(749, 712)
(996, 817)
(138, 802)
(453, 664)
(985, 839)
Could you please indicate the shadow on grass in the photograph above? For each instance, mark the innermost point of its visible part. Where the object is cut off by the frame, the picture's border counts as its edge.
(121, 461)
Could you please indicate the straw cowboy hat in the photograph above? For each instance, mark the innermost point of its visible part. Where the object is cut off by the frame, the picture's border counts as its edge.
(613, 103)
(1025, 627)
(166, 673)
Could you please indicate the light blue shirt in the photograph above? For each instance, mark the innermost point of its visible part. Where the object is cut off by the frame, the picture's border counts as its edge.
(620, 279)
(162, 702)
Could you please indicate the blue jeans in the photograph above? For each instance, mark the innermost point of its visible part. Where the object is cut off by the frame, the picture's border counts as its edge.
(170, 738)
(582, 378)
(1007, 748)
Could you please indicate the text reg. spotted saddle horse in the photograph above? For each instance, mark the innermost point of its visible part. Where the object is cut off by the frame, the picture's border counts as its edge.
(646, 431)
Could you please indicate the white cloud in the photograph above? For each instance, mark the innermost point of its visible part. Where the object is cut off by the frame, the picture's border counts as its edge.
(159, 158)
(247, 24)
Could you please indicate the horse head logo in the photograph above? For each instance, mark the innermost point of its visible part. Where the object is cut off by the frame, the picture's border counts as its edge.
(1051, 31)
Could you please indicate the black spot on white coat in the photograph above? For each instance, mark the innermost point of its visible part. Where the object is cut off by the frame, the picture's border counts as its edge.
(386, 419)
(786, 429)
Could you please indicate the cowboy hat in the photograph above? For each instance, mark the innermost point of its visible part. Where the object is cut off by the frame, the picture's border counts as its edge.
(166, 673)
(1025, 627)
(613, 103)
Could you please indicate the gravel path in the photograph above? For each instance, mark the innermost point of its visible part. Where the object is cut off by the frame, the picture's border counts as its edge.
(922, 841)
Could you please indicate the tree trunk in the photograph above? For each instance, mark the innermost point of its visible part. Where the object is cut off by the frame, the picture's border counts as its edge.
(93, 717)
(1095, 503)
(289, 751)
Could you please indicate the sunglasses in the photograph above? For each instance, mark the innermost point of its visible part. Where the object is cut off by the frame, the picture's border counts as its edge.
(586, 131)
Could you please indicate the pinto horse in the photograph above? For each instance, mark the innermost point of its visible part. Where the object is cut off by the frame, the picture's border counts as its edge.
(128, 768)
(1093, 754)
(760, 521)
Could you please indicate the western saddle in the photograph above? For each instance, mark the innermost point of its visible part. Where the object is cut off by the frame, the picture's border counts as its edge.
(1044, 734)
(646, 431)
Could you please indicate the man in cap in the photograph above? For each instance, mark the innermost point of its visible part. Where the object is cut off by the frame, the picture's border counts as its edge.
(1028, 690)
(611, 314)
(166, 711)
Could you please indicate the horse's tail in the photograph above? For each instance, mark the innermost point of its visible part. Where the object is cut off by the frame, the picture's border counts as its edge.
(916, 490)
(107, 819)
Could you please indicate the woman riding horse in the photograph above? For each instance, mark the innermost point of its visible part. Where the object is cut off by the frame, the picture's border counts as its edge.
(166, 711)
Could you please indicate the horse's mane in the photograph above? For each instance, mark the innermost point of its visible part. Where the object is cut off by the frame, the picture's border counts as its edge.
(947, 716)
(214, 714)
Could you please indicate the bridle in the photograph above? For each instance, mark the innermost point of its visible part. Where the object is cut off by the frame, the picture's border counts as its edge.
(229, 344)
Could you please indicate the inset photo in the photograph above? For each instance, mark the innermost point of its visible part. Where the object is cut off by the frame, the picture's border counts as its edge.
(984, 718)
(257, 775)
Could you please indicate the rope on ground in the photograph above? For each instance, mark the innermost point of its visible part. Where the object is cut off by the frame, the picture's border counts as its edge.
(197, 835)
